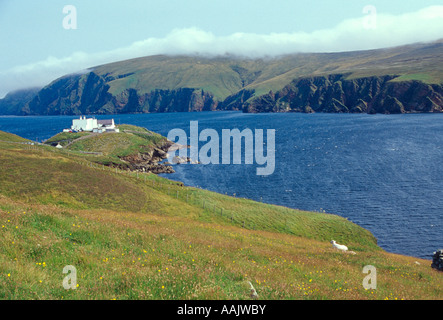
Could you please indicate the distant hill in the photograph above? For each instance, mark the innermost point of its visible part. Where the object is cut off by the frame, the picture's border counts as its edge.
(393, 80)
(13, 102)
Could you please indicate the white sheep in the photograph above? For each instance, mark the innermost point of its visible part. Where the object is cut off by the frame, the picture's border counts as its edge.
(339, 246)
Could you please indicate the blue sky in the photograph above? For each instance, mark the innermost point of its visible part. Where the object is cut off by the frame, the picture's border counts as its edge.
(36, 48)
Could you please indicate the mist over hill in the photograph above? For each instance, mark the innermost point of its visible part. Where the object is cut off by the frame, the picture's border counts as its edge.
(392, 80)
(14, 101)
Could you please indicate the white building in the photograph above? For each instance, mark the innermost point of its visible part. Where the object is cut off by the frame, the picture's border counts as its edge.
(93, 125)
(84, 124)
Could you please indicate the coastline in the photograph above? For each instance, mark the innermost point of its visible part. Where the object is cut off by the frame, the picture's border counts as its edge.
(336, 198)
(180, 234)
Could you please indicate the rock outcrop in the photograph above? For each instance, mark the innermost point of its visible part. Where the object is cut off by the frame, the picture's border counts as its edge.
(437, 260)
(150, 161)
(335, 94)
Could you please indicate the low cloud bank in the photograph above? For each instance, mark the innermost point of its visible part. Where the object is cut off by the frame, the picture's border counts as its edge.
(370, 31)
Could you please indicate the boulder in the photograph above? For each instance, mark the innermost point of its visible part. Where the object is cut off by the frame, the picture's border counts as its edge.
(437, 260)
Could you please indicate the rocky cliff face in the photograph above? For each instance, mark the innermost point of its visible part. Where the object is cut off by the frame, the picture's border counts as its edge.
(334, 94)
(71, 95)
(89, 94)
(237, 101)
(181, 100)
(13, 102)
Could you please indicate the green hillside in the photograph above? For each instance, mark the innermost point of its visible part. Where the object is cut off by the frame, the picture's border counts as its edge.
(139, 236)
(163, 72)
(224, 76)
(130, 140)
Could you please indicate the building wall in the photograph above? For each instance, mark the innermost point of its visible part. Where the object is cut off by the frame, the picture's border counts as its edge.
(83, 124)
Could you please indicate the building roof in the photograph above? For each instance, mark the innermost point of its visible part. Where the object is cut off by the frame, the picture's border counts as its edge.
(105, 122)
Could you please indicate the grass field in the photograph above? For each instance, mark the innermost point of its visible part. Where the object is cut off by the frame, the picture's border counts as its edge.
(139, 236)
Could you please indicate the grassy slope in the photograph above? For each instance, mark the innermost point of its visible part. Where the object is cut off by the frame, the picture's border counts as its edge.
(119, 144)
(161, 72)
(224, 76)
(149, 238)
(9, 137)
(64, 138)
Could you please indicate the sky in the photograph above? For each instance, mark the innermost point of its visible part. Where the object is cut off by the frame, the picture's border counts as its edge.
(43, 40)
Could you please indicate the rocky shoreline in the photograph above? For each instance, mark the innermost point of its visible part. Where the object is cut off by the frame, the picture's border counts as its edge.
(152, 161)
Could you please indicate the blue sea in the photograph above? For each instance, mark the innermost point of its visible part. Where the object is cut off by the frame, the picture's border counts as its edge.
(383, 172)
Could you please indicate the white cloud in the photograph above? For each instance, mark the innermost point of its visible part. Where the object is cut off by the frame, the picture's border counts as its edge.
(352, 34)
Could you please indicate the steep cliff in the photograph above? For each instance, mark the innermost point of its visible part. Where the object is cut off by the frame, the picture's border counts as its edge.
(89, 94)
(335, 94)
(71, 95)
(14, 102)
(181, 100)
